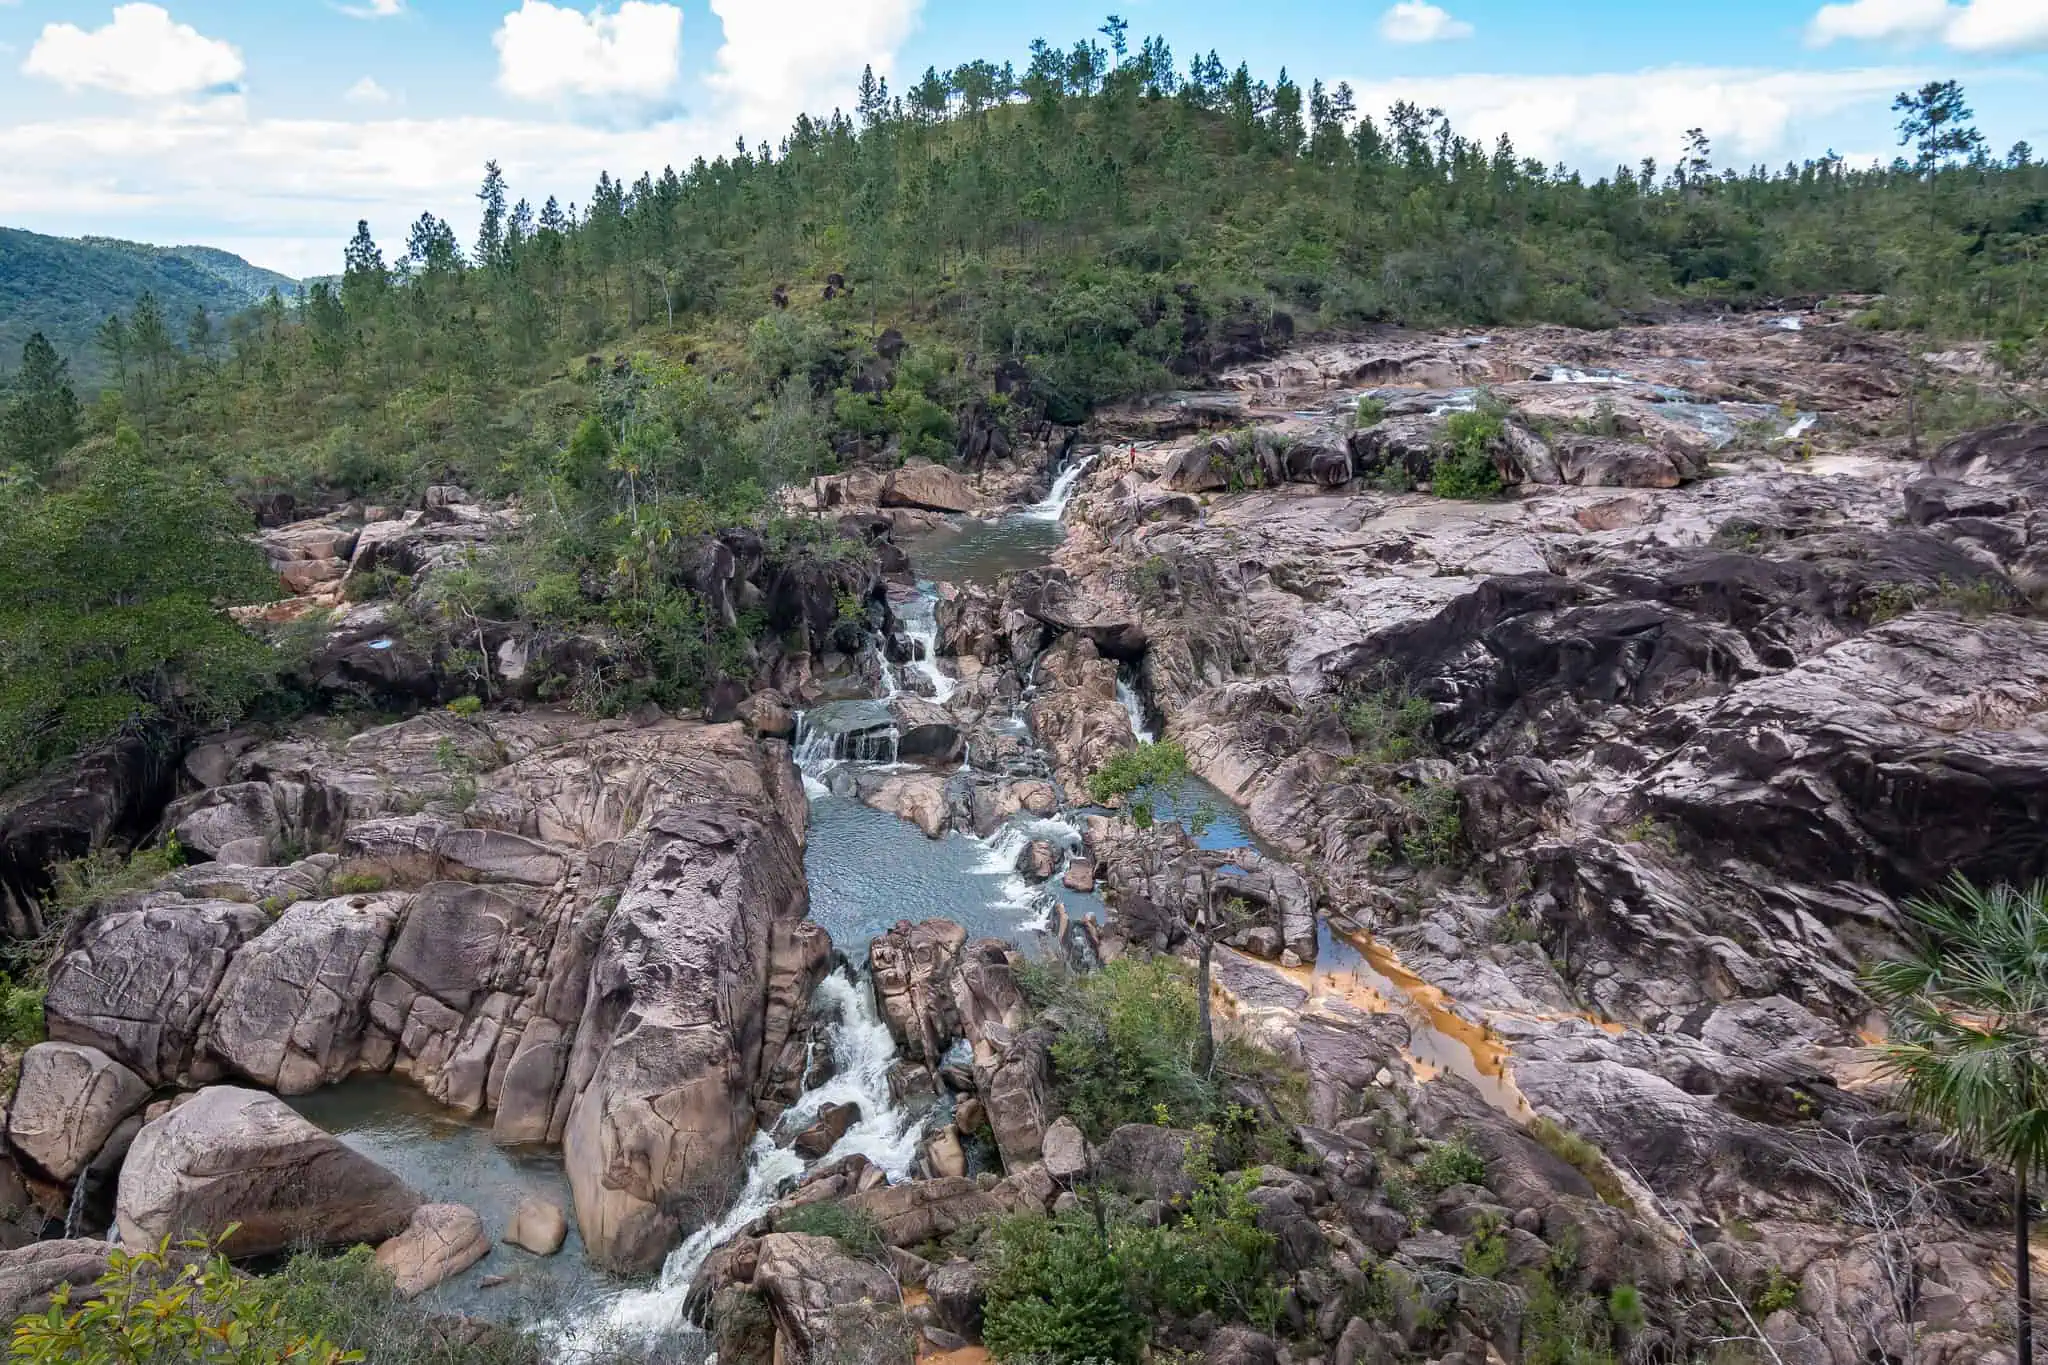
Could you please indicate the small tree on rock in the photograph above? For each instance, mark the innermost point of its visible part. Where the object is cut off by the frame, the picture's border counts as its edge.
(1969, 1013)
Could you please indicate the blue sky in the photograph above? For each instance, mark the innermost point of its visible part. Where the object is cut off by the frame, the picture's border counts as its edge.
(270, 127)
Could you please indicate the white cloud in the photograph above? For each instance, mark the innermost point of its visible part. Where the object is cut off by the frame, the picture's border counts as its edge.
(141, 52)
(546, 52)
(1600, 121)
(1418, 21)
(375, 9)
(2000, 26)
(1973, 26)
(786, 57)
(295, 187)
(367, 92)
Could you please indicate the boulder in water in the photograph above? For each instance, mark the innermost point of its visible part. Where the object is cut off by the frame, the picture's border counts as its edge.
(833, 1122)
(1038, 861)
(538, 1226)
(233, 1156)
(441, 1242)
(291, 1007)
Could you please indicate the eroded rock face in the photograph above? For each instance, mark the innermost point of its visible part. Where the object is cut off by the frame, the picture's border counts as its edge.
(135, 981)
(668, 1051)
(440, 1242)
(604, 943)
(68, 1101)
(818, 1293)
(1685, 747)
(241, 1156)
(290, 1009)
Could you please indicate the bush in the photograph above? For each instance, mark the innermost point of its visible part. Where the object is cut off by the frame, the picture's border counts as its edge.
(466, 707)
(1450, 1163)
(1436, 834)
(856, 1232)
(1129, 1036)
(1056, 1293)
(21, 1014)
(358, 883)
(1215, 1259)
(1464, 467)
(1389, 726)
(1371, 412)
(151, 1309)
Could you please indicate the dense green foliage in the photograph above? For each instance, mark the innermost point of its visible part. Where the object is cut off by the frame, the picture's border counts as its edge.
(66, 287)
(110, 608)
(149, 1309)
(1140, 779)
(1086, 1285)
(1129, 1050)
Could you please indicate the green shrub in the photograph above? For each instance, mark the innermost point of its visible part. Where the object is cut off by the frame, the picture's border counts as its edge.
(149, 1308)
(853, 1229)
(1780, 1291)
(1389, 726)
(1436, 835)
(21, 1014)
(1565, 1329)
(466, 706)
(1486, 1249)
(1371, 411)
(358, 883)
(1450, 1163)
(1215, 1259)
(1057, 1294)
(1625, 1307)
(1463, 467)
(1129, 1035)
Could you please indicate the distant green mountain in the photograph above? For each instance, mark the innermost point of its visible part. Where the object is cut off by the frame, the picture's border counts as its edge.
(65, 287)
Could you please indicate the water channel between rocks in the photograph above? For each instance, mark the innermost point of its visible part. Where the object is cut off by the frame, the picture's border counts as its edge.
(867, 870)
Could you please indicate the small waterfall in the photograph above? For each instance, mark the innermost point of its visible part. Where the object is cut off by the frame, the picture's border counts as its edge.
(1134, 706)
(76, 1210)
(886, 1135)
(1802, 424)
(1055, 504)
(921, 627)
(892, 686)
(816, 755)
(1036, 902)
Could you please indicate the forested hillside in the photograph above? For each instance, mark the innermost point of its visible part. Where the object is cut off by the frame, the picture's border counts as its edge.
(993, 248)
(65, 288)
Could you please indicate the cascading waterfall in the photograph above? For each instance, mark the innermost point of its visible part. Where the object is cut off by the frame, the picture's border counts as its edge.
(887, 1135)
(921, 627)
(1134, 706)
(999, 859)
(1055, 504)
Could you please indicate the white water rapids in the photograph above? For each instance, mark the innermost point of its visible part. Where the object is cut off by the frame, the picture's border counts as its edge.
(885, 1135)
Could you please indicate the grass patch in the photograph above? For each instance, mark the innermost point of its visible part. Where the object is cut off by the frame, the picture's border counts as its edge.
(1575, 1151)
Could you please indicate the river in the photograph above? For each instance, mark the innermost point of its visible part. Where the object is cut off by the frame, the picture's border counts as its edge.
(867, 870)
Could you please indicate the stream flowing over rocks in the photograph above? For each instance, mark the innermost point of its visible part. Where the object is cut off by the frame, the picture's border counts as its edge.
(1571, 811)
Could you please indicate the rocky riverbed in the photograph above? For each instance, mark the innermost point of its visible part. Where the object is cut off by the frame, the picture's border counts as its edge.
(1555, 826)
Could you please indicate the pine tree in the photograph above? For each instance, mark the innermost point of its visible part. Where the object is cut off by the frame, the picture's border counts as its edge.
(41, 421)
(490, 237)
